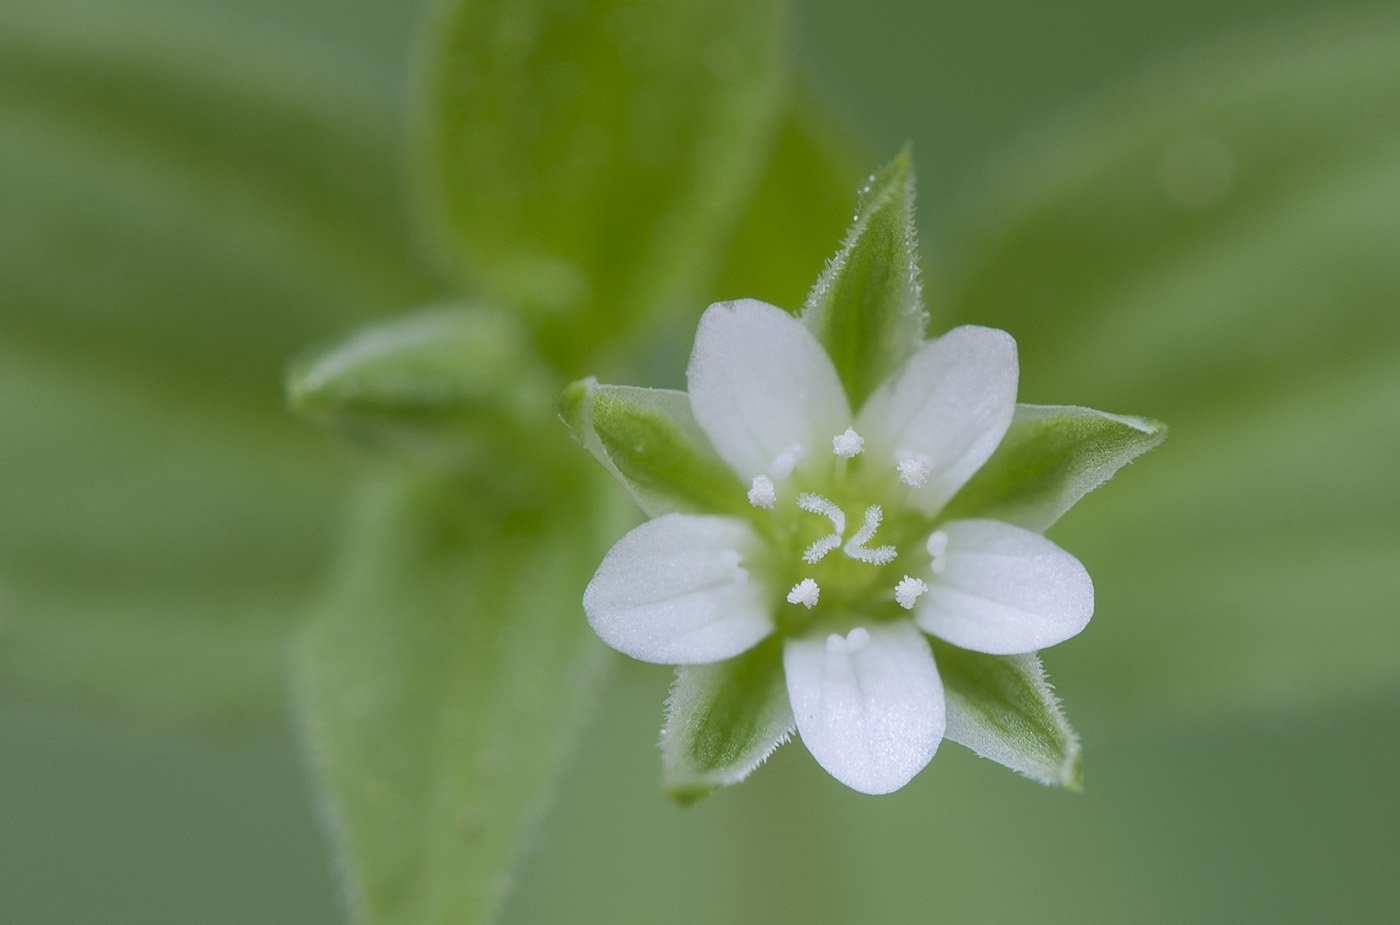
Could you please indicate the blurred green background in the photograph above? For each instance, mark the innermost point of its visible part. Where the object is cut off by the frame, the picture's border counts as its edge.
(1236, 693)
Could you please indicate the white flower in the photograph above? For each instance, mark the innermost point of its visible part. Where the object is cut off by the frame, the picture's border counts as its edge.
(845, 555)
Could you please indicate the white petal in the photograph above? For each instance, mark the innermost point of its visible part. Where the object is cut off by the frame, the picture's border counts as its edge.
(760, 384)
(675, 591)
(1004, 590)
(871, 713)
(946, 409)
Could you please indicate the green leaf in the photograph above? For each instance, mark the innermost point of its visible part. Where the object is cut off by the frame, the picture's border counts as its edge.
(187, 200)
(867, 308)
(649, 440)
(1243, 568)
(441, 687)
(1002, 708)
(724, 720)
(802, 205)
(446, 385)
(1052, 456)
(588, 160)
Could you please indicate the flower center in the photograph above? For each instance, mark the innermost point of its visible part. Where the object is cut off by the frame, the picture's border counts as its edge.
(845, 572)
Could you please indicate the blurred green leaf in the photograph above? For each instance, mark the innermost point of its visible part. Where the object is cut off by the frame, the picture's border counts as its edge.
(649, 440)
(866, 307)
(1215, 246)
(587, 160)
(724, 720)
(441, 686)
(444, 386)
(187, 200)
(802, 205)
(1002, 707)
(190, 195)
(154, 553)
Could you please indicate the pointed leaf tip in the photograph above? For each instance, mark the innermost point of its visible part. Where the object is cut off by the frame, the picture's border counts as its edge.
(1051, 456)
(723, 720)
(1003, 708)
(867, 306)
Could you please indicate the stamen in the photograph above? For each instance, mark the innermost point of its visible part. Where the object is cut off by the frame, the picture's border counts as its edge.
(762, 494)
(847, 444)
(805, 592)
(914, 472)
(855, 546)
(814, 553)
(908, 591)
(816, 504)
(937, 546)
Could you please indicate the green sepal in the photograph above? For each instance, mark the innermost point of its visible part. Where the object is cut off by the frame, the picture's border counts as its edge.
(1002, 708)
(443, 385)
(867, 308)
(723, 720)
(649, 441)
(1052, 456)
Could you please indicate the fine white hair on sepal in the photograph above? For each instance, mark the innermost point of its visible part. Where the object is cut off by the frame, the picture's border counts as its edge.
(848, 443)
(805, 592)
(914, 471)
(762, 493)
(856, 548)
(908, 591)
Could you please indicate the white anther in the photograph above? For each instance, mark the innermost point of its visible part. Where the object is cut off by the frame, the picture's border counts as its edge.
(937, 547)
(913, 472)
(847, 444)
(855, 546)
(814, 553)
(805, 592)
(784, 462)
(762, 494)
(816, 504)
(908, 591)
